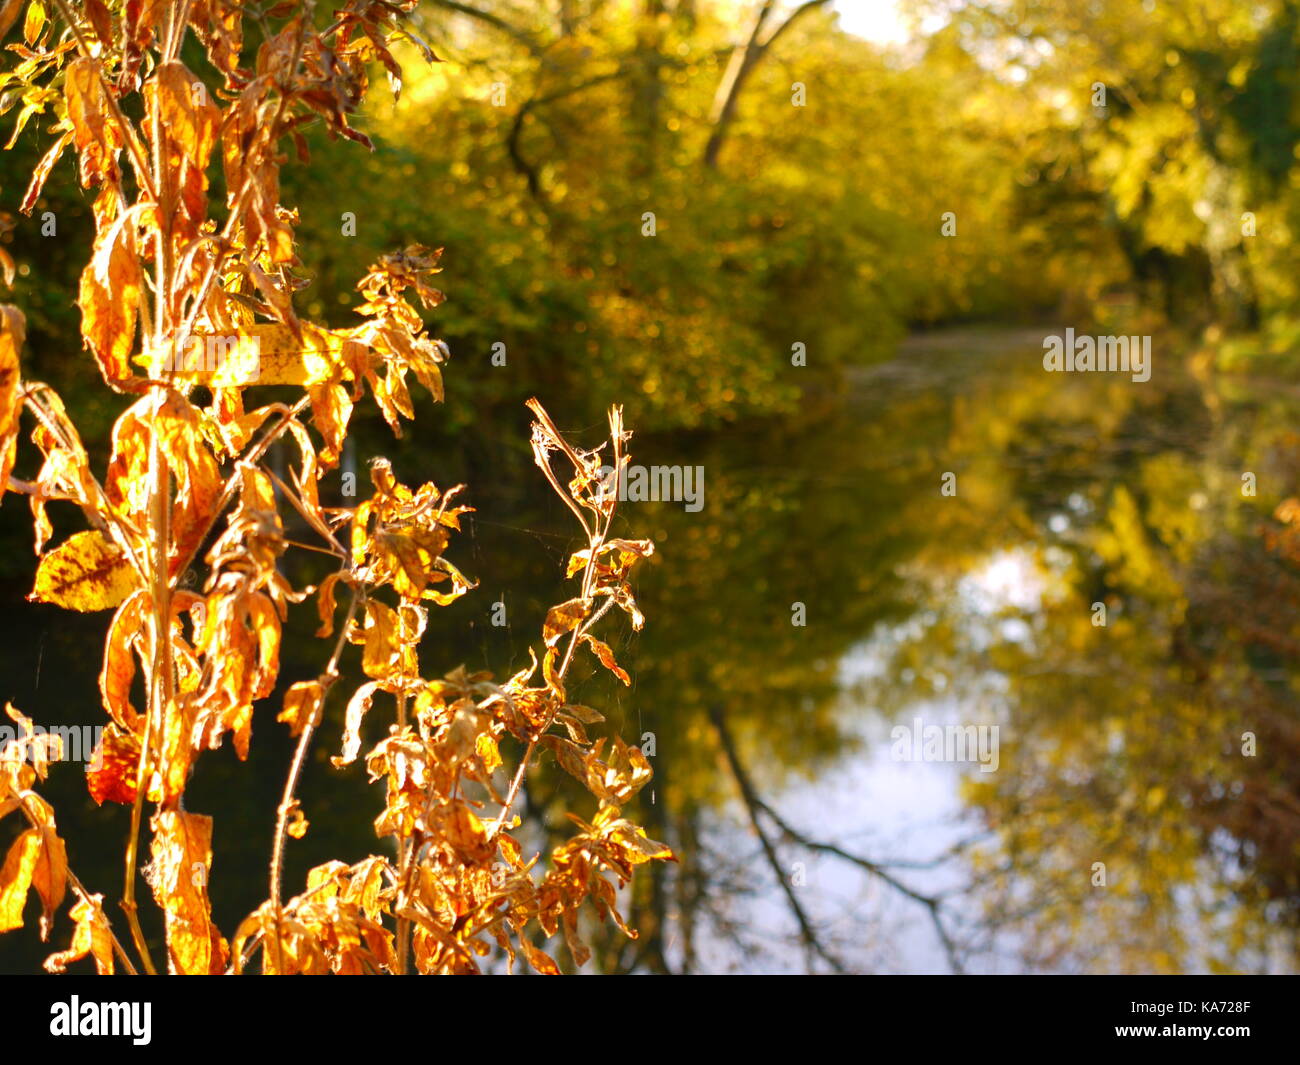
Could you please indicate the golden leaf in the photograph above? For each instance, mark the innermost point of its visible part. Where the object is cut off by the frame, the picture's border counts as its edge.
(91, 936)
(486, 748)
(538, 959)
(111, 286)
(178, 875)
(86, 572)
(95, 134)
(16, 878)
(382, 646)
(606, 657)
(13, 331)
(37, 860)
(302, 703)
(34, 22)
(187, 116)
(465, 832)
(325, 605)
(563, 618)
(263, 353)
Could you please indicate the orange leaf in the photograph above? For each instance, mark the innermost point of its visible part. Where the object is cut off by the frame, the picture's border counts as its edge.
(13, 331)
(538, 959)
(188, 117)
(111, 286)
(178, 874)
(95, 133)
(302, 703)
(112, 771)
(16, 878)
(563, 618)
(39, 860)
(91, 936)
(606, 657)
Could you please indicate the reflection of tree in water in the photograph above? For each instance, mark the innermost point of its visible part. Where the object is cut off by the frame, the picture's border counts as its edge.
(1119, 744)
(1123, 744)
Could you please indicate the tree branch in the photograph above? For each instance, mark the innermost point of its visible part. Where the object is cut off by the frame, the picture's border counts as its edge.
(742, 64)
(495, 21)
(756, 805)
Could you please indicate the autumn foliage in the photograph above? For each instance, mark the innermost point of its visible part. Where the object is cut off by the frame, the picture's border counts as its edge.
(188, 478)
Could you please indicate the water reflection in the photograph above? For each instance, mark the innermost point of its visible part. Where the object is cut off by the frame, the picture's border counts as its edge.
(829, 591)
(1099, 587)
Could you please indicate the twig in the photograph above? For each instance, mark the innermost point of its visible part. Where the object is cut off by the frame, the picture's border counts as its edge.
(755, 805)
(327, 680)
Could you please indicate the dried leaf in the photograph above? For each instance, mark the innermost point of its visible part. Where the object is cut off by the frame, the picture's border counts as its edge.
(358, 707)
(178, 874)
(111, 287)
(114, 768)
(16, 878)
(13, 331)
(563, 618)
(606, 656)
(91, 936)
(38, 860)
(86, 572)
(302, 705)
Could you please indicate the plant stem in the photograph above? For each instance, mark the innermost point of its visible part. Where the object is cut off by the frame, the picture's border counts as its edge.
(290, 785)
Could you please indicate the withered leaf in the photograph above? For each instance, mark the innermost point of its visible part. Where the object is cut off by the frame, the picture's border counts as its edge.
(325, 605)
(86, 572)
(112, 772)
(358, 706)
(96, 135)
(91, 936)
(111, 286)
(118, 673)
(297, 824)
(37, 860)
(606, 657)
(34, 22)
(16, 878)
(178, 875)
(302, 704)
(538, 959)
(42, 172)
(188, 117)
(563, 618)
(13, 331)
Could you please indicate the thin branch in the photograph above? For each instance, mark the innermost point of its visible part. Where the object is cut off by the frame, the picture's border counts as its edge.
(327, 680)
(495, 21)
(755, 804)
(743, 61)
